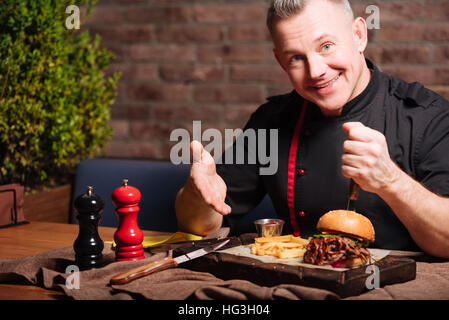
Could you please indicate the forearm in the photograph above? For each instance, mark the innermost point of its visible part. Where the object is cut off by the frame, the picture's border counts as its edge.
(424, 213)
(194, 215)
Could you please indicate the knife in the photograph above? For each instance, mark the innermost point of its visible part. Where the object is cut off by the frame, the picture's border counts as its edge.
(353, 195)
(159, 265)
(212, 238)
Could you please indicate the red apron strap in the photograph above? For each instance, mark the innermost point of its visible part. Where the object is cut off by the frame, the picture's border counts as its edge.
(292, 171)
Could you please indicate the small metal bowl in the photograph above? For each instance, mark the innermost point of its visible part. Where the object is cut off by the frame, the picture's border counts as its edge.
(269, 227)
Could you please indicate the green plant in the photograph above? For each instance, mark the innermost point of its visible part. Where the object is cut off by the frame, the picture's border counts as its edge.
(54, 94)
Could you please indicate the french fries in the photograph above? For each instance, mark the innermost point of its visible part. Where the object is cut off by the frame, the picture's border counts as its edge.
(283, 247)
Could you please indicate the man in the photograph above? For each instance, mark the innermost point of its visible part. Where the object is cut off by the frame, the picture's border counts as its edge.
(345, 119)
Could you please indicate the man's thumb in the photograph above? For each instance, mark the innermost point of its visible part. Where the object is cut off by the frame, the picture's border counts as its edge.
(196, 148)
(347, 126)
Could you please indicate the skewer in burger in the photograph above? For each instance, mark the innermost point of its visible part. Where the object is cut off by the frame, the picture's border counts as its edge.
(343, 240)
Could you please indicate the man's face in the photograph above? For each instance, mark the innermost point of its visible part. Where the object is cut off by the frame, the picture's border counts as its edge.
(321, 49)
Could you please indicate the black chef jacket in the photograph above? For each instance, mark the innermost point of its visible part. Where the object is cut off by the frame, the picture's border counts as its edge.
(414, 120)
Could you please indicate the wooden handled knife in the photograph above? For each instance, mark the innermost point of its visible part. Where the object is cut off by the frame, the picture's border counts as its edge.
(159, 265)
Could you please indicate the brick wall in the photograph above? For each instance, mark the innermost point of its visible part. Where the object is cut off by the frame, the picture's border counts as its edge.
(211, 60)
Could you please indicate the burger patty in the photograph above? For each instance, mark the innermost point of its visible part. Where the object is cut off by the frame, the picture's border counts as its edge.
(328, 250)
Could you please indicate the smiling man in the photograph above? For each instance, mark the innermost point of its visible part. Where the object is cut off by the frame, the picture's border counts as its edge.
(344, 119)
(322, 52)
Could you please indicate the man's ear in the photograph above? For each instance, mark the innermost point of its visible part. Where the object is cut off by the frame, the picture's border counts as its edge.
(278, 59)
(360, 33)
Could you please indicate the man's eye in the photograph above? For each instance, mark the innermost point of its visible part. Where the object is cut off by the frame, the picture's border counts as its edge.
(295, 58)
(327, 46)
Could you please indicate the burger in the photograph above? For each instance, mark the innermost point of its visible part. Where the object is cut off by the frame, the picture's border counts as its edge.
(343, 240)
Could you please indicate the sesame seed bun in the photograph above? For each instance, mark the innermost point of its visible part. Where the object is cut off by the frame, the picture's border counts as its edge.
(347, 222)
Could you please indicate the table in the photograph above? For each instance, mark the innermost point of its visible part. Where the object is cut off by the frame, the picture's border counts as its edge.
(432, 280)
(37, 237)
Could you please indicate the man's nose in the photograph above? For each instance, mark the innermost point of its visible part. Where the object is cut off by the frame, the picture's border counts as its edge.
(316, 66)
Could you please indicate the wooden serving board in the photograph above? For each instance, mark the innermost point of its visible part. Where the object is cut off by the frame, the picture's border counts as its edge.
(344, 283)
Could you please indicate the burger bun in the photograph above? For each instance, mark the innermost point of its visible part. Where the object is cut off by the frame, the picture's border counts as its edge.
(348, 223)
(352, 263)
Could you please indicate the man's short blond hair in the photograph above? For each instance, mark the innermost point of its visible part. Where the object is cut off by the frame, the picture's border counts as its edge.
(286, 8)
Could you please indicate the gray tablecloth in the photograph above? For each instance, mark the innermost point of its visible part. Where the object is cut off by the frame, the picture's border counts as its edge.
(49, 270)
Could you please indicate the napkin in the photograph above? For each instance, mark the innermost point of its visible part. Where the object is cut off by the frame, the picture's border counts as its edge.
(49, 270)
(154, 241)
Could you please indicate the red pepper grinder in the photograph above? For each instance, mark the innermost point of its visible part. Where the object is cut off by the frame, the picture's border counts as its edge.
(128, 237)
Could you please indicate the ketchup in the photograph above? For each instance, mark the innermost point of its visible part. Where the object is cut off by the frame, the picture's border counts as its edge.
(338, 264)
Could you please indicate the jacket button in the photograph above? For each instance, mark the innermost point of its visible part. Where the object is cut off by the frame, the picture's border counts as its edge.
(302, 213)
(301, 172)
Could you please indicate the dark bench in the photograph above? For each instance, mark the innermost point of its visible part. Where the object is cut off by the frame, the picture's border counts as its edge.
(158, 183)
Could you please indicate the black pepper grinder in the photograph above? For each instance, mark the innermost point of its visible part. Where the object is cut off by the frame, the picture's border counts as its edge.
(88, 246)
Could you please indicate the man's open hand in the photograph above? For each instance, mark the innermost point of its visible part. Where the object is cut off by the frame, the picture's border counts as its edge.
(205, 181)
(366, 159)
